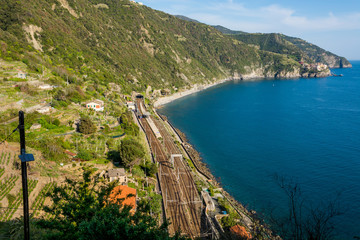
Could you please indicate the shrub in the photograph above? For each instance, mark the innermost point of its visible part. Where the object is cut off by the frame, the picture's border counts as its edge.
(56, 122)
(86, 126)
(84, 155)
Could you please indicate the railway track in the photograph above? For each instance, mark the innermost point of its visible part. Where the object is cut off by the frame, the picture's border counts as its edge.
(181, 200)
(186, 181)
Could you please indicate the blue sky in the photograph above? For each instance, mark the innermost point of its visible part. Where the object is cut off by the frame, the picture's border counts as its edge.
(331, 24)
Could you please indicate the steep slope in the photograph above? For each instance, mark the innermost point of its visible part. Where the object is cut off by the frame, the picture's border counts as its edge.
(127, 43)
(226, 30)
(297, 48)
(318, 54)
(271, 42)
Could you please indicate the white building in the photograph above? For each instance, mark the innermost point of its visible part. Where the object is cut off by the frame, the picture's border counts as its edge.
(21, 75)
(97, 105)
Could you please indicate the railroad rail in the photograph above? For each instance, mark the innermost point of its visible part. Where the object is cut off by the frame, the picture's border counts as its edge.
(181, 200)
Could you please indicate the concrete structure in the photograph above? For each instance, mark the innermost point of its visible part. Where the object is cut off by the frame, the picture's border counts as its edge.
(116, 174)
(35, 126)
(45, 109)
(131, 106)
(210, 206)
(153, 127)
(97, 105)
(174, 156)
(46, 87)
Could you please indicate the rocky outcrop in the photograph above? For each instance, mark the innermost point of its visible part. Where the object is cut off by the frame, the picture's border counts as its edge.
(344, 63)
(262, 73)
(316, 75)
(334, 61)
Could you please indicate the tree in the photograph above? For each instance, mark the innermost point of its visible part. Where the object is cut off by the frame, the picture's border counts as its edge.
(81, 210)
(305, 221)
(130, 150)
(150, 168)
(127, 123)
(86, 126)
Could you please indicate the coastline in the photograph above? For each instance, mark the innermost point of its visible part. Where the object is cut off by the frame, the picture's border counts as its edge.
(253, 219)
(196, 88)
(252, 76)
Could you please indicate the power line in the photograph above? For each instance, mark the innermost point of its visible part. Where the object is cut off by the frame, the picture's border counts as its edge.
(9, 135)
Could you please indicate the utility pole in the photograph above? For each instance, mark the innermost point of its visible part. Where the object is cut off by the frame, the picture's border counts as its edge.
(24, 176)
(24, 159)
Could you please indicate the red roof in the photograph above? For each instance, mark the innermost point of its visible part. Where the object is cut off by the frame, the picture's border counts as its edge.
(240, 231)
(70, 153)
(125, 194)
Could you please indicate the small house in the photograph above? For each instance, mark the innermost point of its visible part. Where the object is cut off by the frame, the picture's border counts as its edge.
(21, 75)
(117, 174)
(97, 105)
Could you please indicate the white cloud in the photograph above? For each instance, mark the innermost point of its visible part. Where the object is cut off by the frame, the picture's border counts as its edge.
(272, 18)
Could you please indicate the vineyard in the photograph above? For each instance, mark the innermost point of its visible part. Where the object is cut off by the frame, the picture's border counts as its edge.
(7, 185)
(11, 193)
(6, 158)
(14, 202)
(38, 204)
(43, 176)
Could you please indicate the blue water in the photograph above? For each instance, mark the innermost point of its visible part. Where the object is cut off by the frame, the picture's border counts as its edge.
(306, 129)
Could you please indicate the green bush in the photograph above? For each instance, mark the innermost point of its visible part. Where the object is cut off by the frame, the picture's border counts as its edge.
(138, 172)
(84, 155)
(86, 126)
(56, 122)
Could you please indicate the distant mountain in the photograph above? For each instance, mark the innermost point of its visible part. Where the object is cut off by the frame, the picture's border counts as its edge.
(297, 48)
(227, 31)
(187, 19)
(318, 54)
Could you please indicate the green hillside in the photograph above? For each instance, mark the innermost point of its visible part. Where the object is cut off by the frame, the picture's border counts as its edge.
(296, 48)
(271, 42)
(318, 54)
(123, 42)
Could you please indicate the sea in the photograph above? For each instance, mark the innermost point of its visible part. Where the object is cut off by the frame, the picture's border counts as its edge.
(306, 131)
